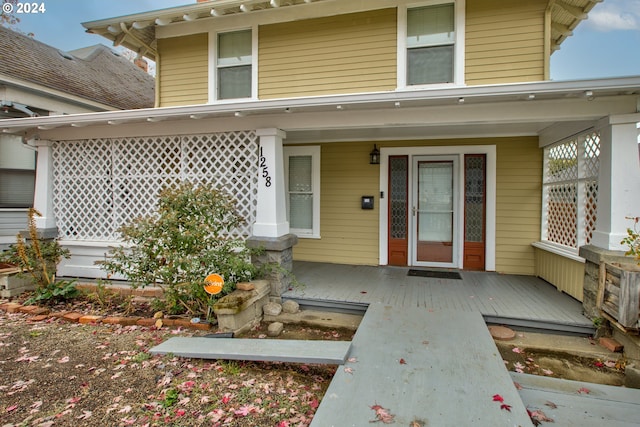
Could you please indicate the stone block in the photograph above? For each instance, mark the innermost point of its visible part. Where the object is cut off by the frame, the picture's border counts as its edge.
(290, 307)
(239, 310)
(89, 319)
(611, 344)
(632, 376)
(272, 309)
(245, 286)
(275, 329)
(11, 307)
(72, 317)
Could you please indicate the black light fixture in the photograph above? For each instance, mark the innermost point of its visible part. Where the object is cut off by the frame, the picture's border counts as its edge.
(374, 156)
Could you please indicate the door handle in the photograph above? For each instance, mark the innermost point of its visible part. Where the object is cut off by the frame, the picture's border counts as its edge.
(414, 210)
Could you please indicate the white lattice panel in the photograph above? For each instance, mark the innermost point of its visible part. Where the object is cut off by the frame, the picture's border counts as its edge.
(571, 190)
(101, 184)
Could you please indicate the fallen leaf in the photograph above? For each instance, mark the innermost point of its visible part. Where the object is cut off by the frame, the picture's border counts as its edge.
(583, 390)
(550, 404)
(383, 415)
(518, 386)
(505, 407)
(498, 398)
(540, 416)
(85, 415)
(517, 350)
(403, 362)
(159, 323)
(547, 372)
(12, 408)
(352, 360)
(348, 370)
(65, 359)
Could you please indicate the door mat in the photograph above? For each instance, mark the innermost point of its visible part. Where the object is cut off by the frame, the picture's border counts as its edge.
(435, 274)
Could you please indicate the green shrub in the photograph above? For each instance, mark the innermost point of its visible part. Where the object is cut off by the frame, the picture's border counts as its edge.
(38, 259)
(187, 239)
(633, 240)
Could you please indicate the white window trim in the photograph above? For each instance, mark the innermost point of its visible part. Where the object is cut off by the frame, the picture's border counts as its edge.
(213, 66)
(458, 59)
(314, 152)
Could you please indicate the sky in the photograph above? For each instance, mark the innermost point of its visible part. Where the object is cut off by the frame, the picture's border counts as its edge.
(605, 45)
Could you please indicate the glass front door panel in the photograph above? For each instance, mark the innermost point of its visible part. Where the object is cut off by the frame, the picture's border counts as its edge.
(435, 211)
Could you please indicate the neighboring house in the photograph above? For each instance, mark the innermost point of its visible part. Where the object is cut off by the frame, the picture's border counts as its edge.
(484, 162)
(38, 80)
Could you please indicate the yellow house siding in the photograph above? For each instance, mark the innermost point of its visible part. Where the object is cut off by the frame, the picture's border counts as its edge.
(504, 41)
(349, 53)
(565, 274)
(518, 204)
(183, 70)
(350, 235)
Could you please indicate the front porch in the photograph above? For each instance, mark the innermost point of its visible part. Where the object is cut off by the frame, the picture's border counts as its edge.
(518, 301)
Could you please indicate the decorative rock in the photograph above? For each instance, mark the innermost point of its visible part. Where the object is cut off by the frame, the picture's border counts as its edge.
(275, 329)
(272, 309)
(290, 307)
(502, 333)
(245, 286)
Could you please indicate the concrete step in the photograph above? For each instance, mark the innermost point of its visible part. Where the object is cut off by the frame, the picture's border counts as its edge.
(266, 350)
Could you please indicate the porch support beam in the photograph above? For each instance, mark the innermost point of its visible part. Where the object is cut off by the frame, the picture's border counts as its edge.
(271, 213)
(619, 181)
(43, 196)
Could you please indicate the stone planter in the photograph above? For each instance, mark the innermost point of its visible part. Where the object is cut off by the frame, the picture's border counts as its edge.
(241, 310)
(10, 284)
(619, 294)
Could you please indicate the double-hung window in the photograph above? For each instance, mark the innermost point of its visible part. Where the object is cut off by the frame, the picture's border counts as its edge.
(302, 169)
(430, 44)
(234, 65)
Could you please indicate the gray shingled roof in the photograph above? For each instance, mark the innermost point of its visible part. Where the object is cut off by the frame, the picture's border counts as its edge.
(96, 74)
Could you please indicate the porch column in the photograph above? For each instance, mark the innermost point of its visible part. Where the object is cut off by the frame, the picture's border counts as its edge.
(271, 229)
(43, 196)
(619, 180)
(271, 215)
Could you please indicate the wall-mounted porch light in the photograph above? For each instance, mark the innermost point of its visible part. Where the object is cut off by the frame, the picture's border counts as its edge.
(374, 156)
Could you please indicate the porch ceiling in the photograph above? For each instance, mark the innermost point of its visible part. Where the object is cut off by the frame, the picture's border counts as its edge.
(138, 31)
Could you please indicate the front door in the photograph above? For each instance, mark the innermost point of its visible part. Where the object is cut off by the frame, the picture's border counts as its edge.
(434, 211)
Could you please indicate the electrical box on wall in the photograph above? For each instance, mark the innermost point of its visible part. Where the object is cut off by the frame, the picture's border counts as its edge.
(367, 202)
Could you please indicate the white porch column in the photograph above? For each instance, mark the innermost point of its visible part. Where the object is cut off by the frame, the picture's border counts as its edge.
(271, 215)
(43, 197)
(619, 181)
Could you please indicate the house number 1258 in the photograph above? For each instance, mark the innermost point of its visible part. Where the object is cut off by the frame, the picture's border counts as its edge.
(265, 169)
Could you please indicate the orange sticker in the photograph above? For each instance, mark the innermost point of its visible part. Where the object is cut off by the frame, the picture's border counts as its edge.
(213, 284)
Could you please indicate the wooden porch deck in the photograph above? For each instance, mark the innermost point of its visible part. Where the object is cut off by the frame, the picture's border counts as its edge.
(519, 301)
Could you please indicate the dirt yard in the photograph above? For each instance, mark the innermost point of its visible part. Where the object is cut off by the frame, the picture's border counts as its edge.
(55, 373)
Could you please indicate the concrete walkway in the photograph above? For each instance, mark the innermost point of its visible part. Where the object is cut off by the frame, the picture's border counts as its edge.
(432, 368)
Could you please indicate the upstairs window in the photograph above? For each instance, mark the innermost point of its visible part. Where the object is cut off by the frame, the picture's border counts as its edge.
(234, 73)
(430, 44)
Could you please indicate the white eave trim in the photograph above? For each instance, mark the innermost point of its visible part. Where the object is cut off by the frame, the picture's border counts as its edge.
(428, 97)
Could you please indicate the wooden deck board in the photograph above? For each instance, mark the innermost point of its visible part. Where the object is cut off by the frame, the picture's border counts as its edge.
(294, 351)
(494, 295)
(451, 371)
(602, 405)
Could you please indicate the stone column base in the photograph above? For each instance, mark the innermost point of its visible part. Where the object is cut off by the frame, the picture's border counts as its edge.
(278, 257)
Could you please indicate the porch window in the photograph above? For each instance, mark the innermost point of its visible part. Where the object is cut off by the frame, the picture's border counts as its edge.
(302, 169)
(430, 40)
(234, 65)
(17, 173)
(570, 191)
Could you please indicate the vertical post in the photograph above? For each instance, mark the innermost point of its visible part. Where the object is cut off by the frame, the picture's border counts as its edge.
(271, 229)
(619, 180)
(43, 196)
(271, 215)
